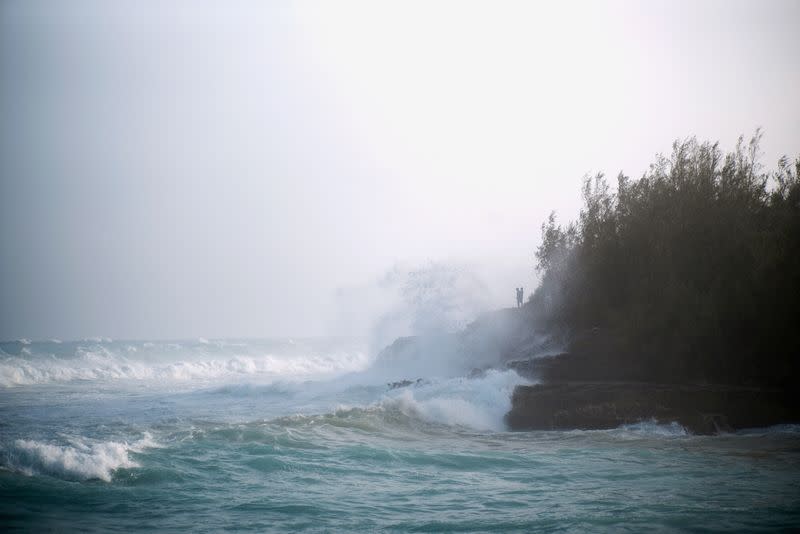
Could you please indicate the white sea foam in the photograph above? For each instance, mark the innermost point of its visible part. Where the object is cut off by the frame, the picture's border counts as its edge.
(99, 363)
(652, 428)
(477, 403)
(80, 459)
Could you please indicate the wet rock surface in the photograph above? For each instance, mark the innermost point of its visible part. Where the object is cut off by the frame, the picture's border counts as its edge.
(701, 409)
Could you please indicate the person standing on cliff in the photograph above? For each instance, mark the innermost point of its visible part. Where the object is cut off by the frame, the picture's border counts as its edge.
(519, 296)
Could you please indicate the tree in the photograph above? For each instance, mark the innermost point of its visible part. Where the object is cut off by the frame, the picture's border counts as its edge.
(695, 267)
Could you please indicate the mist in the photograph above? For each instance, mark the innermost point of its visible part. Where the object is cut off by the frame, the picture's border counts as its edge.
(244, 170)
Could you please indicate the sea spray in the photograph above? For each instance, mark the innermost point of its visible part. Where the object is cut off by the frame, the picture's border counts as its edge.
(43, 363)
(478, 403)
(79, 459)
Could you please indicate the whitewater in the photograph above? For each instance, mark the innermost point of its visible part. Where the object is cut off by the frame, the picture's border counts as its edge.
(314, 434)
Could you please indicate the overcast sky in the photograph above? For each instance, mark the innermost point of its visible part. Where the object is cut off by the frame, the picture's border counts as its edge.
(183, 169)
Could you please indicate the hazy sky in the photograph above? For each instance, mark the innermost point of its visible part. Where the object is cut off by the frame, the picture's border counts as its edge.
(183, 169)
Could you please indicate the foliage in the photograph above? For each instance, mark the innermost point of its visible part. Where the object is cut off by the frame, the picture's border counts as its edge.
(695, 267)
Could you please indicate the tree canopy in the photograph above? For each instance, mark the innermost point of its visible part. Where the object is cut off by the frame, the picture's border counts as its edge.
(694, 268)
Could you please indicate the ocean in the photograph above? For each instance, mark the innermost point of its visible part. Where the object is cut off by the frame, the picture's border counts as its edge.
(287, 435)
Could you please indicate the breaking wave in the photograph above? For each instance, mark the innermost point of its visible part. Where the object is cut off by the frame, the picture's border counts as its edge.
(80, 459)
(175, 364)
(468, 403)
(477, 403)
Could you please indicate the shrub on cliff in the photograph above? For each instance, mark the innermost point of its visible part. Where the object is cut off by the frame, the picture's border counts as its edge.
(695, 267)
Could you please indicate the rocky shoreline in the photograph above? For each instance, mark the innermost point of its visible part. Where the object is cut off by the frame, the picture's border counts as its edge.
(590, 387)
(587, 385)
(701, 409)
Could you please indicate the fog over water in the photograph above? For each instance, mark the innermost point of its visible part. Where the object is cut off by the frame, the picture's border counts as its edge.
(248, 170)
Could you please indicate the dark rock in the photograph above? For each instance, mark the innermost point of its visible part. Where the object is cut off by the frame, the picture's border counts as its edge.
(405, 383)
(525, 368)
(701, 409)
(477, 372)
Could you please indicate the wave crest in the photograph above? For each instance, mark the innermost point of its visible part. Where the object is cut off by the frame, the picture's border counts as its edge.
(79, 460)
(477, 403)
(100, 363)
(472, 403)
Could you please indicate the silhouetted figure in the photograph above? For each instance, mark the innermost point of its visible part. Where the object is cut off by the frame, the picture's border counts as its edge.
(521, 297)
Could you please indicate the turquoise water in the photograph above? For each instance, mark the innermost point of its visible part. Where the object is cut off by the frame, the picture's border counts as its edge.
(305, 435)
